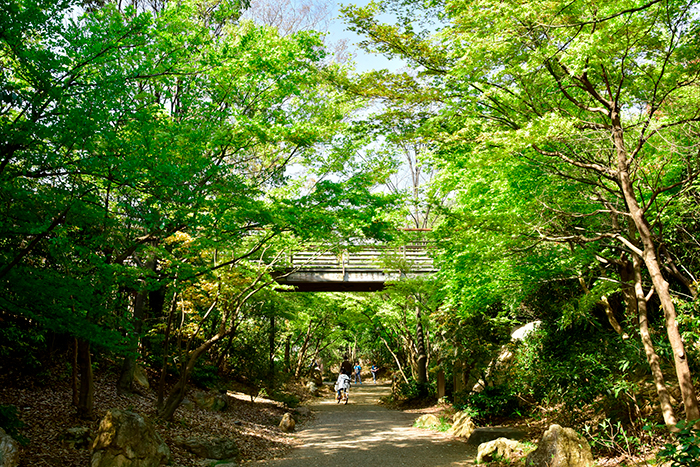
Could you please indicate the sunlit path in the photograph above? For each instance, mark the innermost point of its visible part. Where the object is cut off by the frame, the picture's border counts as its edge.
(363, 433)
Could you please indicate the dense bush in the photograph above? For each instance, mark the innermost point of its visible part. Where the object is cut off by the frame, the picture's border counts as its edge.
(10, 422)
(576, 367)
(412, 390)
(685, 451)
(205, 375)
(492, 402)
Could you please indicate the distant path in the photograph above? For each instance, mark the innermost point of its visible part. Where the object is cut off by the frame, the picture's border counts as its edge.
(364, 434)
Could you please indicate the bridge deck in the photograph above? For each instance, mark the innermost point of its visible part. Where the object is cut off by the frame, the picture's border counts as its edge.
(363, 270)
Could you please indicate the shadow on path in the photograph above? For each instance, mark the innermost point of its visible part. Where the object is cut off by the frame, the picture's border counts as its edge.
(363, 433)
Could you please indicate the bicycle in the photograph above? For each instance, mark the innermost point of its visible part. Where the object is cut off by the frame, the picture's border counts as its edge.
(342, 388)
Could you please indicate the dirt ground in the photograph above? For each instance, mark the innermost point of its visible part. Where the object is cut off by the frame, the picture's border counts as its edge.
(364, 433)
(46, 412)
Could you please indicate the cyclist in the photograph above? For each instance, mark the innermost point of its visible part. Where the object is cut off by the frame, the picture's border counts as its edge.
(342, 385)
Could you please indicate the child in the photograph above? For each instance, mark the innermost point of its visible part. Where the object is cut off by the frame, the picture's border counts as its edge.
(342, 386)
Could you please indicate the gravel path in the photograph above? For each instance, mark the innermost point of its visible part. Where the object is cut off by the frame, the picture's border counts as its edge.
(363, 433)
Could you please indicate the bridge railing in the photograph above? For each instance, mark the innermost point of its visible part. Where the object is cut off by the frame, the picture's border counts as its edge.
(414, 256)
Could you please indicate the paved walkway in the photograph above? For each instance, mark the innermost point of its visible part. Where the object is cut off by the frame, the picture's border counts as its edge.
(363, 433)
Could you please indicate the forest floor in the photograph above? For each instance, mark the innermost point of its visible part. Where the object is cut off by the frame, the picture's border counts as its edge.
(47, 413)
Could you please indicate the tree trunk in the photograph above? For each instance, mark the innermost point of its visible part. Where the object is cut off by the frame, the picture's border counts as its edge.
(166, 342)
(86, 396)
(177, 394)
(692, 411)
(609, 312)
(302, 351)
(458, 381)
(126, 377)
(652, 357)
(396, 359)
(272, 352)
(175, 398)
(223, 353)
(74, 375)
(421, 357)
(440, 384)
(287, 353)
(670, 266)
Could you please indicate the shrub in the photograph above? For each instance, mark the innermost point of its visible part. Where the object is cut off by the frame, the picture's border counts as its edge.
(289, 400)
(412, 390)
(493, 401)
(205, 376)
(611, 437)
(10, 422)
(685, 452)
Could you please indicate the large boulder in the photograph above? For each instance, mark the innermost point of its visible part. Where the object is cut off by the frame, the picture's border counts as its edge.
(485, 434)
(9, 450)
(427, 421)
(141, 378)
(188, 405)
(287, 424)
(462, 426)
(561, 447)
(498, 369)
(127, 439)
(216, 448)
(211, 402)
(504, 448)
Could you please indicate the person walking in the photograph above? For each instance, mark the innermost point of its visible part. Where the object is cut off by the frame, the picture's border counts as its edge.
(346, 366)
(374, 369)
(358, 370)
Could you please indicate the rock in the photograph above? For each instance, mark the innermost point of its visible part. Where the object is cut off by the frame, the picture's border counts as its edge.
(211, 402)
(427, 421)
(561, 447)
(9, 450)
(127, 439)
(489, 433)
(287, 424)
(503, 447)
(313, 389)
(78, 437)
(217, 448)
(188, 404)
(141, 378)
(499, 368)
(462, 427)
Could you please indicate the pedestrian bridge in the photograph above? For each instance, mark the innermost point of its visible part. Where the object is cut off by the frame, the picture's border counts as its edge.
(361, 269)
